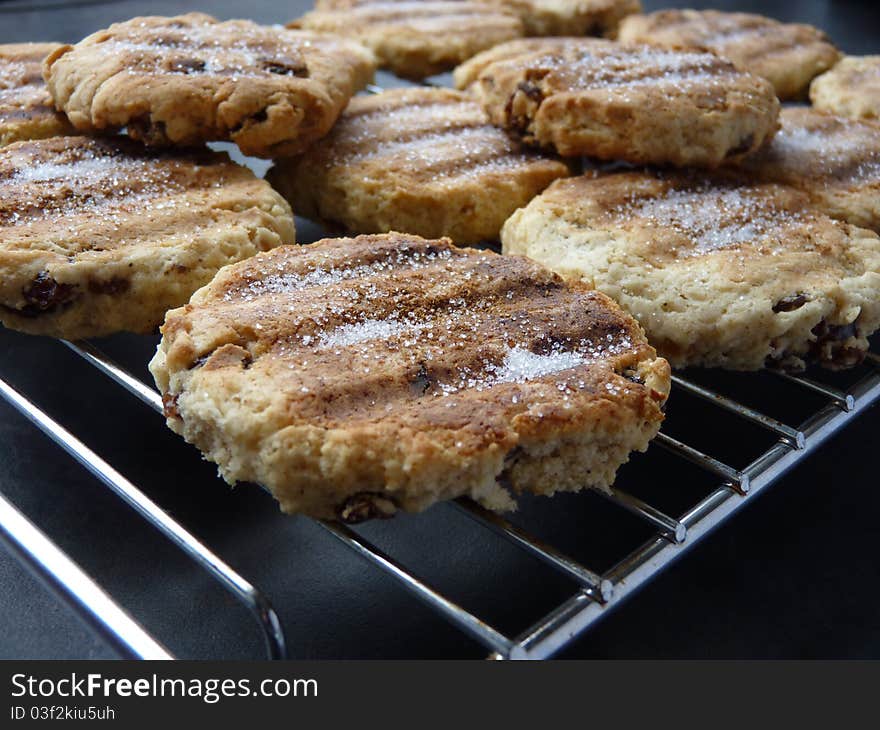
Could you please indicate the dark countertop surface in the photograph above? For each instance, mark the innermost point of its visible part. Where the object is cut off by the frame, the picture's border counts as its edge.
(795, 575)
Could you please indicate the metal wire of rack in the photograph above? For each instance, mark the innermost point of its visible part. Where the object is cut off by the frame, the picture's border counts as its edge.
(598, 593)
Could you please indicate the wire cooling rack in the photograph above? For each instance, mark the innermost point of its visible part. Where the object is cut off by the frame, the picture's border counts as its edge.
(598, 593)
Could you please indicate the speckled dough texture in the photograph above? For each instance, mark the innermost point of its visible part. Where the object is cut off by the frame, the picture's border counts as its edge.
(99, 235)
(851, 88)
(26, 109)
(191, 79)
(834, 160)
(418, 38)
(719, 274)
(357, 377)
(634, 103)
(425, 161)
(789, 55)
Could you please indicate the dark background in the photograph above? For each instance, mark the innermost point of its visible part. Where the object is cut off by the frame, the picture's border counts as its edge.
(795, 575)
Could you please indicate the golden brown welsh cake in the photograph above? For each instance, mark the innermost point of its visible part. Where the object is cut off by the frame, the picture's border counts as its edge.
(851, 88)
(100, 235)
(426, 161)
(26, 110)
(634, 103)
(356, 377)
(720, 273)
(834, 160)
(191, 79)
(417, 38)
(571, 17)
(539, 17)
(789, 55)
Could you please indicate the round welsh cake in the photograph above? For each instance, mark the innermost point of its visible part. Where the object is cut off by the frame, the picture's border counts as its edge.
(191, 79)
(789, 55)
(851, 88)
(633, 103)
(571, 17)
(357, 377)
(719, 273)
(417, 38)
(102, 235)
(426, 161)
(26, 109)
(834, 160)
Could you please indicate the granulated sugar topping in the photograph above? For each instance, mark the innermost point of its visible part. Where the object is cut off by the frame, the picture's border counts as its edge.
(712, 217)
(451, 320)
